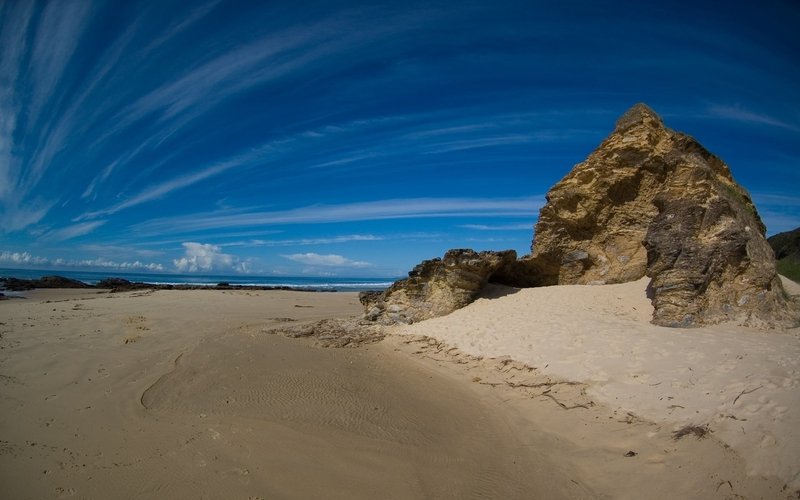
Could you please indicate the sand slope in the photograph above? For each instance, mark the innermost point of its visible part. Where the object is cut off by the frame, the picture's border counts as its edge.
(743, 383)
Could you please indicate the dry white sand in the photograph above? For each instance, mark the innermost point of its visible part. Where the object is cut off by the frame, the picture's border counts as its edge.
(744, 384)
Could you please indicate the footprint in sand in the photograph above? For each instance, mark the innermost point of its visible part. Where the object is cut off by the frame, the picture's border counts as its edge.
(65, 492)
(767, 441)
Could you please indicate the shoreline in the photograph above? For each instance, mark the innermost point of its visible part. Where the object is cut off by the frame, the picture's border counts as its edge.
(190, 373)
(115, 285)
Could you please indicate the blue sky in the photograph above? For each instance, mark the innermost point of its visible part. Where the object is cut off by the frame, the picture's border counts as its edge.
(356, 139)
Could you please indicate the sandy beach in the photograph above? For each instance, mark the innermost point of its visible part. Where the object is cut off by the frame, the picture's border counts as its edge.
(556, 392)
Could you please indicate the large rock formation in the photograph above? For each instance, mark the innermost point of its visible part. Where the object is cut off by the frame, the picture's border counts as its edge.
(436, 287)
(651, 201)
(648, 201)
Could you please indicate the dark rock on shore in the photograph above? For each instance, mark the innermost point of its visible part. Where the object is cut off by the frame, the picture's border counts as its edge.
(123, 285)
(120, 285)
(20, 285)
(436, 287)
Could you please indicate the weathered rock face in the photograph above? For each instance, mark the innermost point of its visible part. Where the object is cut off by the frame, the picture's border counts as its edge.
(651, 201)
(592, 228)
(436, 287)
(710, 263)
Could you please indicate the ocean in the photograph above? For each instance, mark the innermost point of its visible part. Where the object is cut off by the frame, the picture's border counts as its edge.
(297, 282)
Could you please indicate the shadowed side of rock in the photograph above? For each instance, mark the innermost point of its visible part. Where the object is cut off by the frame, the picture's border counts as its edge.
(710, 262)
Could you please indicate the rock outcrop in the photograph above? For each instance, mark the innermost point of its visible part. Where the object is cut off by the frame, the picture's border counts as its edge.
(652, 201)
(436, 287)
(18, 284)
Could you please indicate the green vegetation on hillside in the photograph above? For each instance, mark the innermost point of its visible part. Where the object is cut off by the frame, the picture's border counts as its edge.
(787, 253)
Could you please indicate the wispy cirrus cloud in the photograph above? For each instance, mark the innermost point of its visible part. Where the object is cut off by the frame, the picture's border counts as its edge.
(290, 52)
(499, 227)
(57, 35)
(303, 241)
(740, 114)
(181, 182)
(181, 25)
(329, 260)
(72, 231)
(361, 211)
(18, 217)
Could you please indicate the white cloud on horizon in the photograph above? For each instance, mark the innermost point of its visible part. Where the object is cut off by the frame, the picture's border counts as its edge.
(330, 260)
(25, 258)
(204, 257)
(22, 258)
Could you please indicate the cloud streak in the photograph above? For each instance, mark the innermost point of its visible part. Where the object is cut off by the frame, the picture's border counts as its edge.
(329, 260)
(504, 227)
(163, 189)
(739, 114)
(72, 231)
(411, 208)
(304, 241)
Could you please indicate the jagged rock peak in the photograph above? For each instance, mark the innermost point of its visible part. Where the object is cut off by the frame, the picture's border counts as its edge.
(639, 114)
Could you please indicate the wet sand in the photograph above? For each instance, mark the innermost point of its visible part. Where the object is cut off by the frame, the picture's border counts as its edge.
(181, 395)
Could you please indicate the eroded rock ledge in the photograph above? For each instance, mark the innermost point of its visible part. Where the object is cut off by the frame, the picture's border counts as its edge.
(437, 287)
